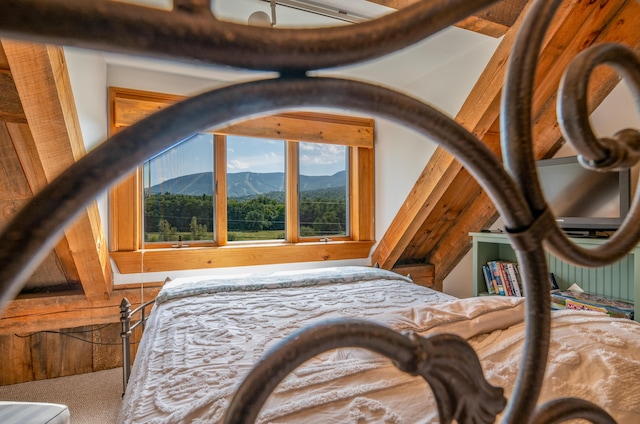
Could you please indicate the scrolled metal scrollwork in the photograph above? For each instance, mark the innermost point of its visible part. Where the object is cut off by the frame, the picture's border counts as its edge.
(452, 369)
(516, 122)
(605, 154)
(519, 159)
(599, 154)
(191, 32)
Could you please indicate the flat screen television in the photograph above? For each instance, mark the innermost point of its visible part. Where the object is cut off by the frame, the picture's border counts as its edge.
(583, 201)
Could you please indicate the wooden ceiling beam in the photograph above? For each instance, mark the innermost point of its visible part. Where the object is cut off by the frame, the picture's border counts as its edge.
(45, 93)
(10, 106)
(4, 63)
(624, 27)
(493, 21)
(31, 168)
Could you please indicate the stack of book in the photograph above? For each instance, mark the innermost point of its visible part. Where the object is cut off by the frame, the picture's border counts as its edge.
(503, 278)
(585, 301)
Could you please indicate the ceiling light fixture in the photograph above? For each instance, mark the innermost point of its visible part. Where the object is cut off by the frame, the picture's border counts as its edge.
(262, 18)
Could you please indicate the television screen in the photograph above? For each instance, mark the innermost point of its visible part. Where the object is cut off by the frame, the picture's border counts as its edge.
(584, 200)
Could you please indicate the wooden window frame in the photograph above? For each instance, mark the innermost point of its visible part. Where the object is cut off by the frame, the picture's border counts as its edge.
(127, 106)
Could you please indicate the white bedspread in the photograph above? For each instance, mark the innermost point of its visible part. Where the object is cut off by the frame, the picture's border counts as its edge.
(202, 339)
(592, 356)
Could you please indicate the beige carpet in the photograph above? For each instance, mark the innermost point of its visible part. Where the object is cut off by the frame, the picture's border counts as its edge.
(92, 398)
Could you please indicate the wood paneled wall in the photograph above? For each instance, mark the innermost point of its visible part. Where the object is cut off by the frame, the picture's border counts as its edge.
(68, 351)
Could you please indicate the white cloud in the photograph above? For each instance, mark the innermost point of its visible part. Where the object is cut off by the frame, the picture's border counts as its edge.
(237, 165)
(321, 158)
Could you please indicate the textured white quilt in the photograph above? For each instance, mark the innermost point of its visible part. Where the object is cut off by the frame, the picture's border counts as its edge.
(203, 337)
(592, 356)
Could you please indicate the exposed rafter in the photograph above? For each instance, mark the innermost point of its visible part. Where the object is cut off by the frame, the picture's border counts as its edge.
(51, 142)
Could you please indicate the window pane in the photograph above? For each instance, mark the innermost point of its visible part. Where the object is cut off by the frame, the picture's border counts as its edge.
(323, 190)
(255, 189)
(178, 192)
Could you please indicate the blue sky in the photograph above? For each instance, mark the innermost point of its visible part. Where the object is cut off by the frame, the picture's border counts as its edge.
(243, 154)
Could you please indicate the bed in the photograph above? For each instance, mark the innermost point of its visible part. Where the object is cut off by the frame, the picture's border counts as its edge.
(544, 368)
(205, 334)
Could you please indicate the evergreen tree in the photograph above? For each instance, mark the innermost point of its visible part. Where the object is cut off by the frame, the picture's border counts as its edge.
(198, 231)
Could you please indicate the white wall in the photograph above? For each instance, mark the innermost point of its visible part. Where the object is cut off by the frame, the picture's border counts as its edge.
(615, 113)
(162, 82)
(88, 75)
(402, 153)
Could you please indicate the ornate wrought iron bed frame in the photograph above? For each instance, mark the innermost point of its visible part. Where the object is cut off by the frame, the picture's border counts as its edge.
(190, 32)
(128, 324)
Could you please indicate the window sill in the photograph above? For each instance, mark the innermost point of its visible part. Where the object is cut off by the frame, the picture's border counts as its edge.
(182, 259)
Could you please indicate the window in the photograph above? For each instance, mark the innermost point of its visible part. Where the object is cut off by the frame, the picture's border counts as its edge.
(178, 193)
(323, 190)
(293, 187)
(255, 189)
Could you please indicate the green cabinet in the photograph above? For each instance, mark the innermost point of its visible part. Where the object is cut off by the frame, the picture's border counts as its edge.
(618, 280)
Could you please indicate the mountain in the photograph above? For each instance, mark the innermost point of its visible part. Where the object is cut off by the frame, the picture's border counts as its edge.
(244, 184)
(192, 185)
(309, 183)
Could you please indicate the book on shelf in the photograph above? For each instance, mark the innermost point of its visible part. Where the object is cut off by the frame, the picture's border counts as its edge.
(506, 282)
(502, 290)
(504, 278)
(585, 301)
(513, 280)
(516, 270)
(499, 274)
(492, 286)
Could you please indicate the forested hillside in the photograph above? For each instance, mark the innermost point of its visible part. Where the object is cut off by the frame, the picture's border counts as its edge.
(183, 210)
